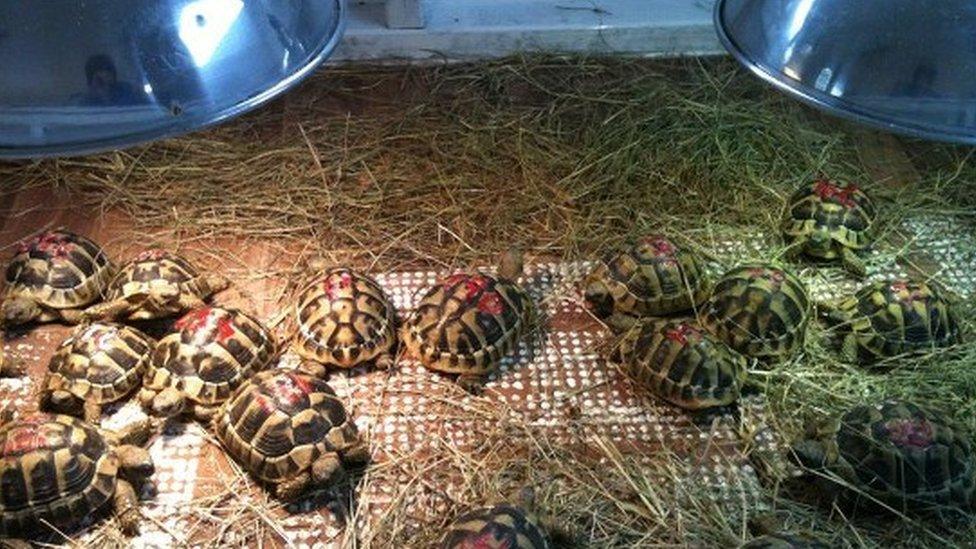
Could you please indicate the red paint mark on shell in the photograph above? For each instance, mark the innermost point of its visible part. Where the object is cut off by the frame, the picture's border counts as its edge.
(491, 303)
(683, 333)
(103, 337)
(776, 277)
(830, 191)
(290, 389)
(910, 432)
(485, 540)
(661, 246)
(206, 320)
(151, 255)
(24, 438)
(335, 283)
(904, 293)
(473, 284)
(51, 244)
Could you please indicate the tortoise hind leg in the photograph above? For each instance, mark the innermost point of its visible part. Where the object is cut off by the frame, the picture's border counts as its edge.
(127, 507)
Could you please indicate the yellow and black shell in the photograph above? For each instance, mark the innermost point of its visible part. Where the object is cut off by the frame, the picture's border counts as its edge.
(497, 527)
(212, 352)
(895, 317)
(57, 270)
(648, 278)
(683, 365)
(155, 284)
(279, 423)
(784, 541)
(898, 453)
(827, 220)
(100, 362)
(467, 322)
(344, 320)
(54, 469)
(759, 311)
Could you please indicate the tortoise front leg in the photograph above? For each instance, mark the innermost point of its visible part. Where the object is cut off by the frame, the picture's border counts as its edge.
(293, 488)
(134, 434)
(8, 366)
(72, 316)
(326, 468)
(109, 310)
(852, 262)
(127, 507)
(214, 283)
(472, 383)
(92, 412)
(204, 414)
(188, 302)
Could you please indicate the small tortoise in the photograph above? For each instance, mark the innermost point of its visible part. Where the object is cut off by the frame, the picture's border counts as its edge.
(467, 322)
(98, 364)
(52, 277)
(683, 365)
(344, 320)
(195, 369)
(502, 526)
(759, 311)
(290, 431)
(155, 284)
(896, 453)
(895, 317)
(649, 278)
(57, 470)
(830, 220)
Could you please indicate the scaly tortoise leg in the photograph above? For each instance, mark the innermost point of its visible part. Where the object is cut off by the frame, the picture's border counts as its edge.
(127, 507)
(204, 414)
(472, 383)
(325, 468)
(293, 488)
(109, 310)
(72, 316)
(852, 262)
(92, 412)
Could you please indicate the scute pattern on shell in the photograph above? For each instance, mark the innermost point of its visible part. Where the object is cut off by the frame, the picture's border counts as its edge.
(212, 352)
(101, 362)
(682, 364)
(824, 214)
(500, 526)
(58, 269)
(344, 320)
(890, 318)
(53, 468)
(278, 423)
(649, 277)
(759, 311)
(466, 323)
(903, 455)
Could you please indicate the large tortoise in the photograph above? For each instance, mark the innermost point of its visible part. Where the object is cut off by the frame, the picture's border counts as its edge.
(829, 220)
(467, 322)
(98, 364)
(195, 369)
(894, 317)
(57, 470)
(290, 431)
(344, 320)
(650, 277)
(155, 284)
(759, 310)
(52, 277)
(897, 453)
(682, 364)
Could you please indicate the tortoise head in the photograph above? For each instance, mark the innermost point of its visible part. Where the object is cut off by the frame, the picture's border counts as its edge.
(598, 297)
(168, 403)
(510, 264)
(60, 401)
(135, 463)
(19, 310)
(811, 454)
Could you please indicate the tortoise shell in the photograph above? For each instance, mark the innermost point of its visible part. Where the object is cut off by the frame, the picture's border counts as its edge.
(212, 351)
(650, 277)
(898, 453)
(58, 270)
(759, 311)
(157, 273)
(466, 323)
(55, 469)
(500, 526)
(895, 317)
(783, 541)
(824, 217)
(681, 364)
(277, 424)
(344, 320)
(100, 362)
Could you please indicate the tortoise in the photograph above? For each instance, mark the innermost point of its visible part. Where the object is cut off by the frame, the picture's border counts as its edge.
(501, 526)
(683, 365)
(98, 364)
(467, 322)
(57, 470)
(830, 220)
(895, 452)
(759, 310)
(290, 431)
(344, 320)
(52, 277)
(651, 277)
(156, 284)
(196, 368)
(894, 317)
(8, 366)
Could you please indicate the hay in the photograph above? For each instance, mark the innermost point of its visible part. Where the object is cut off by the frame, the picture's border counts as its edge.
(394, 168)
